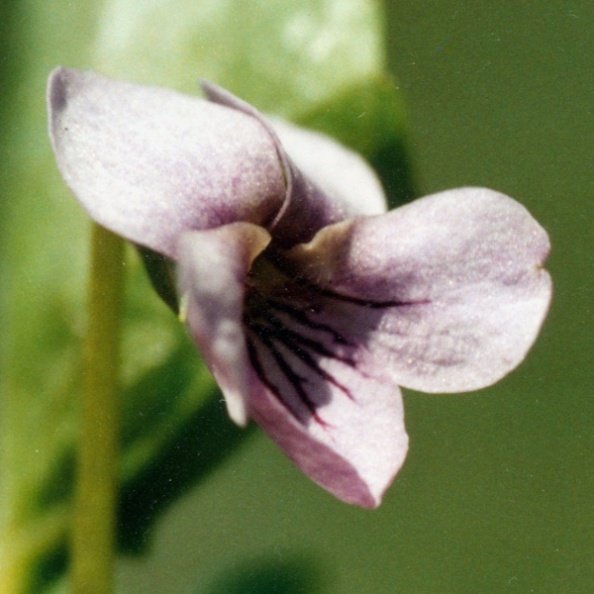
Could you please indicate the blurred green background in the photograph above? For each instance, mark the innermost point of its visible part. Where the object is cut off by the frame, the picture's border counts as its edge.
(497, 494)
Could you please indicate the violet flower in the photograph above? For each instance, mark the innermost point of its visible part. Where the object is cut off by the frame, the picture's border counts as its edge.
(310, 304)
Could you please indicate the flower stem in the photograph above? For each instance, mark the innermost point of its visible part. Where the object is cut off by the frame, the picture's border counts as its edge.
(94, 521)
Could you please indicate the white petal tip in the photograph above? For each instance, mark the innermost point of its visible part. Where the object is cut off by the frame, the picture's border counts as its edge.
(237, 411)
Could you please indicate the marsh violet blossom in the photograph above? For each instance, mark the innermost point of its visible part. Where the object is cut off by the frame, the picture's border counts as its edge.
(310, 303)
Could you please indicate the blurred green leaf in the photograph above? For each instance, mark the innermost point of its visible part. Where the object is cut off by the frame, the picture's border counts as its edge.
(296, 575)
(319, 62)
(202, 441)
(286, 57)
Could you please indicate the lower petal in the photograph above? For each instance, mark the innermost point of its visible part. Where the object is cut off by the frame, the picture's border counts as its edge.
(342, 427)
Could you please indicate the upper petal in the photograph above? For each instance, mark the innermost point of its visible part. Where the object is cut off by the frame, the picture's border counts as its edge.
(149, 163)
(326, 182)
(213, 266)
(447, 293)
(336, 170)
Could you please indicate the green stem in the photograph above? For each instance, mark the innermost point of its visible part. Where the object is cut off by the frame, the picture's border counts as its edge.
(94, 521)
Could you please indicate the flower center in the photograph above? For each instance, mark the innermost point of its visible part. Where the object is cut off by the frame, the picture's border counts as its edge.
(288, 340)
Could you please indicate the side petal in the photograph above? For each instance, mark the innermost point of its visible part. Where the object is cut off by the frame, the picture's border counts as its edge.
(447, 293)
(326, 182)
(213, 266)
(149, 163)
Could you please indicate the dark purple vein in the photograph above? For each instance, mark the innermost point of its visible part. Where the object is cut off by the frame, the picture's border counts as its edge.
(301, 317)
(287, 338)
(293, 378)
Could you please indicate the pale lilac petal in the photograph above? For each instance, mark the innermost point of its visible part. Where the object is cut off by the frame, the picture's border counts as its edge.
(326, 182)
(341, 427)
(149, 163)
(213, 266)
(338, 171)
(446, 294)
